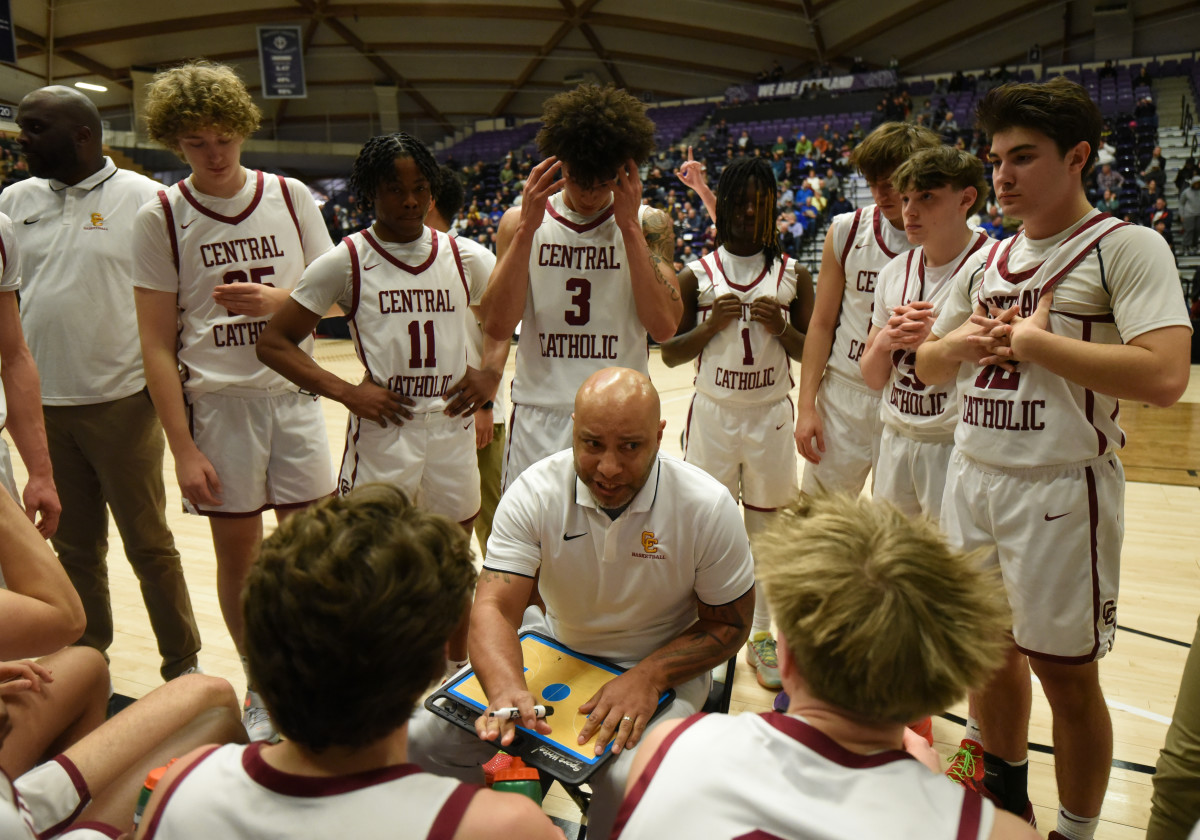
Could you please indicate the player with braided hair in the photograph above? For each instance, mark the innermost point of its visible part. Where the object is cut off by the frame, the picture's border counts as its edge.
(745, 309)
(217, 254)
(407, 296)
(584, 266)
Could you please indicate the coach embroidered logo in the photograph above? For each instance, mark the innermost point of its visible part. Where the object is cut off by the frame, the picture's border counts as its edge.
(649, 543)
(1050, 518)
(96, 222)
(569, 537)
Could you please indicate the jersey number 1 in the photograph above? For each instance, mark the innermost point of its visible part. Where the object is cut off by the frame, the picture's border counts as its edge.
(414, 336)
(748, 357)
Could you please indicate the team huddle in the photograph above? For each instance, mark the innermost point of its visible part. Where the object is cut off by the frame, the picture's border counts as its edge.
(976, 382)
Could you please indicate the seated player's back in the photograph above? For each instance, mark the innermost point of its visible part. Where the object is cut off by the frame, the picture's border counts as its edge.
(792, 781)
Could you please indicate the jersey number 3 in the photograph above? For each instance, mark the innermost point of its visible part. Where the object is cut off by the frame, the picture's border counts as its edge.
(581, 300)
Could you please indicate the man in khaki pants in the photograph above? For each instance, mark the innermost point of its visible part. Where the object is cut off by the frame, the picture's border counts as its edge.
(73, 222)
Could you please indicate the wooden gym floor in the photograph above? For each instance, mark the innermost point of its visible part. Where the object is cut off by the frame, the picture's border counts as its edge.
(1160, 598)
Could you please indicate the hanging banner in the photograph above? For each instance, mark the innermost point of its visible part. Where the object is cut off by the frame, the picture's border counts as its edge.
(8, 37)
(281, 60)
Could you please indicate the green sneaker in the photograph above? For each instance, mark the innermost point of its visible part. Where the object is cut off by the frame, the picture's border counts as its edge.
(760, 652)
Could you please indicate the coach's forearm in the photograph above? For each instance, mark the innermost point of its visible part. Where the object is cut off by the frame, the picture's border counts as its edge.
(716, 636)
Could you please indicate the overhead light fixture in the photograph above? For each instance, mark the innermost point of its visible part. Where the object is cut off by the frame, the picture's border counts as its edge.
(90, 86)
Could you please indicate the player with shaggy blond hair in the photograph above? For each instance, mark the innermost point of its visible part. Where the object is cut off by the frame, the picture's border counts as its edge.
(880, 622)
(217, 254)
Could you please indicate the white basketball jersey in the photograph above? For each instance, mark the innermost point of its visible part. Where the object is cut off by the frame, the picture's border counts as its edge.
(232, 792)
(410, 323)
(743, 364)
(580, 316)
(865, 242)
(262, 244)
(909, 405)
(793, 782)
(1032, 417)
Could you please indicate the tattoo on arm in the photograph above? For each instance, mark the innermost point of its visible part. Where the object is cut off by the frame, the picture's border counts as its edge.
(490, 576)
(660, 239)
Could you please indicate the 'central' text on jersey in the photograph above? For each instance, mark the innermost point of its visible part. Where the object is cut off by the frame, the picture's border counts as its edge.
(240, 250)
(578, 257)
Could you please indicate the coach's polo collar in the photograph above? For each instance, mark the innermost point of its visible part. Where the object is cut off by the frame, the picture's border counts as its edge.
(642, 502)
(90, 182)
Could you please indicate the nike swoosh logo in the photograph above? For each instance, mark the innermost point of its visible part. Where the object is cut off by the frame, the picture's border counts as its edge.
(188, 225)
(1050, 518)
(369, 267)
(33, 221)
(856, 247)
(780, 426)
(569, 537)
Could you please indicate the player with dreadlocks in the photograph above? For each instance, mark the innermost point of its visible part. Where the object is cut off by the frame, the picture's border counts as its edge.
(408, 301)
(745, 309)
(216, 255)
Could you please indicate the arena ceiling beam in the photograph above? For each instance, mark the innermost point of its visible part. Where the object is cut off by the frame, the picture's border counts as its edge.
(814, 26)
(883, 26)
(989, 25)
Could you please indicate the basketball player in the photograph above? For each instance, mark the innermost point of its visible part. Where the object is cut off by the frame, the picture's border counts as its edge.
(641, 559)
(105, 442)
(584, 266)
(939, 188)
(489, 419)
(372, 583)
(407, 298)
(217, 254)
(1074, 313)
(21, 389)
(739, 427)
(857, 662)
(837, 420)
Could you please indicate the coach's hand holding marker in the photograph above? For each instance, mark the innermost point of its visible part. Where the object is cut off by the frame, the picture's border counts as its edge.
(512, 712)
(508, 710)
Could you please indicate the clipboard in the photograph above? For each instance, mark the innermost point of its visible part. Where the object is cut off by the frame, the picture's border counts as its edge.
(558, 676)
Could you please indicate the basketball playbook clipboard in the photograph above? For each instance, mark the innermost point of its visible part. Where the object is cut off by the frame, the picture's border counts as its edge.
(558, 676)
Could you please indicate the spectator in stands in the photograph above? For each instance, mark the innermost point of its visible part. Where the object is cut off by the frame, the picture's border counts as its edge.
(839, 204)
(949, 126)
(1146, 112)
(1109, 204)
(1108, 71)
(1186, 173)
(778, 164)
(832, 183)
(1109, 179)
(1155, 168)
(743, 140)
(786, 196)
(1106, 154)
(804, 146)
(1189, 213)
(957, 82)
(779, 146)
(1165, 231)
(1160, 213)
(1148, 197)
(994, 226)
(1143, 78)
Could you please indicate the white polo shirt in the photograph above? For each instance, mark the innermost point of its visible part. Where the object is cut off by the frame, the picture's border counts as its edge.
(10, 281)
(621, 589)
(77, 307)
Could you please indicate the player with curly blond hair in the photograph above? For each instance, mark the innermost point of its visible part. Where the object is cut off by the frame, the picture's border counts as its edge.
(583, 265)
(217, 254)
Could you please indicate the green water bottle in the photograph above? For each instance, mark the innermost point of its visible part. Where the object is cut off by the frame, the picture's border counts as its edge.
(519, 778)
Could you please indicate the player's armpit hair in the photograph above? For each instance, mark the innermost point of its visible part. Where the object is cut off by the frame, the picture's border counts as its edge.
(882, 618)
(347, 613)
(376, 165)
(198, 95)
(595, 130)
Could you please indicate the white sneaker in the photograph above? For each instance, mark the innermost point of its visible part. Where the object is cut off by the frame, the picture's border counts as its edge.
(760, 653)
(256, 719)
